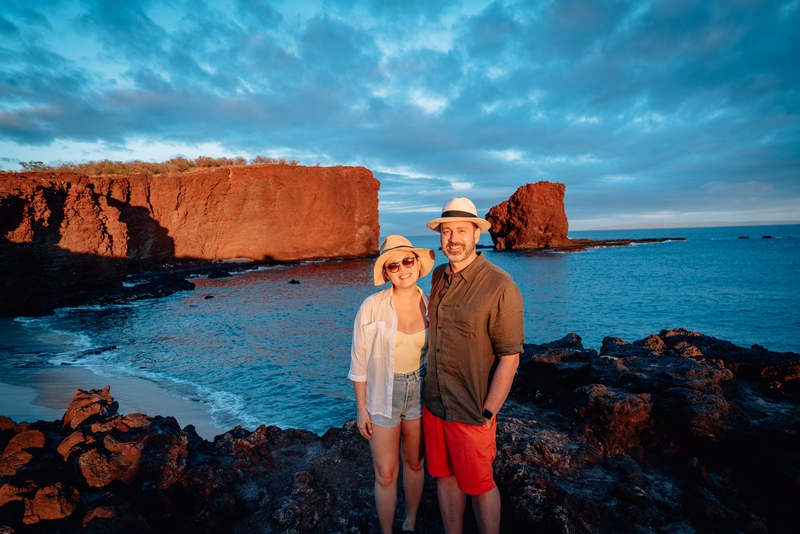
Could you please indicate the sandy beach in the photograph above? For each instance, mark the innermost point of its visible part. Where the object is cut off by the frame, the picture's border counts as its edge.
(45, 393)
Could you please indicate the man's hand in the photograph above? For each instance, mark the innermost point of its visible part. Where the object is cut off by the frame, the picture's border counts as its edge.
(501, 384)
(488, 422)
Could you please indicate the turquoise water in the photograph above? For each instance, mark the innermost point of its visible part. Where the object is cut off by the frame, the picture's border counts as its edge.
(263, 350)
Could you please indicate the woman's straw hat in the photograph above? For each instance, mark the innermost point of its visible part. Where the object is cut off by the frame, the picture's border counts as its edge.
(457, 210)
(394, 243)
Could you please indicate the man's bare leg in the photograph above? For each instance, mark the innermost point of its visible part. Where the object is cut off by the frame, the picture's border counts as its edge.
(452, 503)
(487, 511)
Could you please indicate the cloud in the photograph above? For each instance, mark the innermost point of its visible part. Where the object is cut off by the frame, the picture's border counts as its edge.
(732, 188)
(638, 107)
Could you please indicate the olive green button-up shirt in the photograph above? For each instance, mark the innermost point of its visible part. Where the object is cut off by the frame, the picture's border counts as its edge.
(476, 317)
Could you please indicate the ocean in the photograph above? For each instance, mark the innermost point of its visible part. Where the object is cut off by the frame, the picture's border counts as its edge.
(257, 349)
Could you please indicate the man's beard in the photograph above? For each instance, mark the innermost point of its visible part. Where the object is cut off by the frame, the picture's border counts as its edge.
(465, 252)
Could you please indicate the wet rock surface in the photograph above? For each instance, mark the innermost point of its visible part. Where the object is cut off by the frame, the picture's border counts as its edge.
(675, 433)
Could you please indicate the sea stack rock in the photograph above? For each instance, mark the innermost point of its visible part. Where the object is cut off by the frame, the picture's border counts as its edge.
(67, 233)
(532, 218)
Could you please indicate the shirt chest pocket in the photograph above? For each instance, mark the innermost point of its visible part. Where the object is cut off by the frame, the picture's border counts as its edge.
(466, 320)
(377, 334)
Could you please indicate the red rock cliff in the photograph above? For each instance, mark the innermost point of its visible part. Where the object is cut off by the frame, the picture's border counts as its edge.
(69, 231)
(532, 218)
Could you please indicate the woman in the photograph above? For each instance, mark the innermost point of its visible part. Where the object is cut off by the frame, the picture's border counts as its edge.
(387, 363)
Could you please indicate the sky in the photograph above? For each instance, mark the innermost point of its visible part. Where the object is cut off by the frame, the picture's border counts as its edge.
(650, 112)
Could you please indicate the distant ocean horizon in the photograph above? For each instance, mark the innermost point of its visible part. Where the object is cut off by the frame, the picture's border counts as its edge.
(666, 226)
(257, 349)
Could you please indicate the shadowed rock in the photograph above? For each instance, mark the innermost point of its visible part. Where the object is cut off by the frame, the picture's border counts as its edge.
(677, 432)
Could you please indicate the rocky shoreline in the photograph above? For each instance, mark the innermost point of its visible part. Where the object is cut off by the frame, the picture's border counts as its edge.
(165, 279)
(675, 433)
(67, 239)
(65, 236)
(578, 245)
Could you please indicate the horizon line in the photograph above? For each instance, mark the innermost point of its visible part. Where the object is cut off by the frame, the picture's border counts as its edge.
(668, 225)
(662, 226)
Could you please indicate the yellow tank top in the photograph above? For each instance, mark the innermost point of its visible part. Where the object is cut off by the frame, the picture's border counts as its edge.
(410, 351)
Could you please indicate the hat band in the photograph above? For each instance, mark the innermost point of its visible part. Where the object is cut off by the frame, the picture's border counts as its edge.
(384, 251)
(456, 213)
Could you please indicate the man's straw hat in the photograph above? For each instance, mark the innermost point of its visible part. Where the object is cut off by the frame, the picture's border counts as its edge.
(457, 210)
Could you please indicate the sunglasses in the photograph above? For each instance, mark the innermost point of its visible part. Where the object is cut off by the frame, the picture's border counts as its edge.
(395, 265)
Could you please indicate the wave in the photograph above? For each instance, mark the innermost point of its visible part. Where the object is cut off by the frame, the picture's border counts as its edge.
(226, 409)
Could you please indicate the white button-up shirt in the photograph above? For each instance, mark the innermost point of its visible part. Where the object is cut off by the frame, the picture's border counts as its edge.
(372, 352)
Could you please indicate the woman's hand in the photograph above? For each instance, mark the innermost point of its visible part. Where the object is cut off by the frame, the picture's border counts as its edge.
(364, 424)
(362, 419)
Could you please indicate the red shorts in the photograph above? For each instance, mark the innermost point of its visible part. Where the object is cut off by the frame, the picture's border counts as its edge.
(466, 451)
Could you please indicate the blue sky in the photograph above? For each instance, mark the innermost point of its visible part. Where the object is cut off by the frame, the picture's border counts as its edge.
(667, 112)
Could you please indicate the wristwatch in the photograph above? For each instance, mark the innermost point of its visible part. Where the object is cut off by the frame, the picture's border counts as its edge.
(487, 413)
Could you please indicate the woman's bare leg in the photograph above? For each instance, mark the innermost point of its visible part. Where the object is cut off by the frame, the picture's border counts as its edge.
(385, 445)
(413, 454)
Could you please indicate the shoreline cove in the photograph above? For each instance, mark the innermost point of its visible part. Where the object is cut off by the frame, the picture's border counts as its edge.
(271, 345)
(40, 393)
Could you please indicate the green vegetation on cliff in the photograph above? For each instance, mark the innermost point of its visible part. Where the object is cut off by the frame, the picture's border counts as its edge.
(125, 168)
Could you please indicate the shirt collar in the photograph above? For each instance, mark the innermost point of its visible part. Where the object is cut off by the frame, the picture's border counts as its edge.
(469, 271)
(386, 294)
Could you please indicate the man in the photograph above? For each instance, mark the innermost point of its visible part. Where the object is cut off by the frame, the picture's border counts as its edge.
(474, 342)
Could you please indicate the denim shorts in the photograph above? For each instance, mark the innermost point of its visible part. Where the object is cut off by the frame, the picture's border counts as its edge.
(406, 399)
